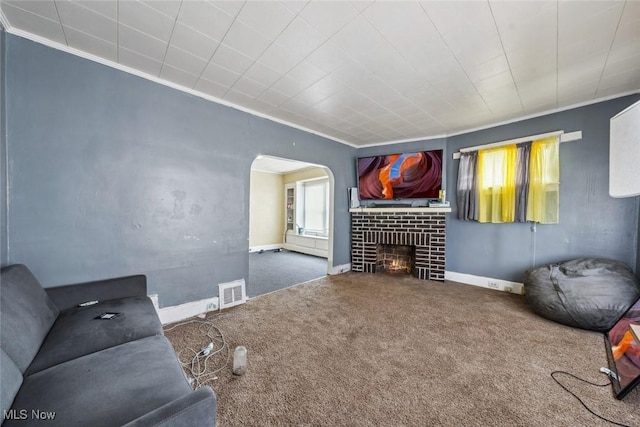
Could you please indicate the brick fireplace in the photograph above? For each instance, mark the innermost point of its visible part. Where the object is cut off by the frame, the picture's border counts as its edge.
(423, 230)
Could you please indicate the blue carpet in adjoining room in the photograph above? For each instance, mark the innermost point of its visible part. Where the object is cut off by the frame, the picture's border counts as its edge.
(270, 271)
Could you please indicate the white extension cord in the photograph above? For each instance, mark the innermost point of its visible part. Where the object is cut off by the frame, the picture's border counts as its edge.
(202, 365)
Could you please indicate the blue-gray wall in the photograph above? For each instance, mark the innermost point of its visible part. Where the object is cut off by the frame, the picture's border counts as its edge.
(4, 249)
(591, 222)
(112, 174)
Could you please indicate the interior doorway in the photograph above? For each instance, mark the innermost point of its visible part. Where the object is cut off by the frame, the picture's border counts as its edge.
(290, 224)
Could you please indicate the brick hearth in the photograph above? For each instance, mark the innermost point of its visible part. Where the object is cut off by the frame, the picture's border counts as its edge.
(424, 228)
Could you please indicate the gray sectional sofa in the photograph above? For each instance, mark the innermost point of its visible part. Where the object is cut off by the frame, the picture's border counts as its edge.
(61, 365)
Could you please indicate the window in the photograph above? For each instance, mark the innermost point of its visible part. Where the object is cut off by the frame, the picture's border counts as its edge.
(511, 183)
(314, 207)
(497, 169)
(544, 183)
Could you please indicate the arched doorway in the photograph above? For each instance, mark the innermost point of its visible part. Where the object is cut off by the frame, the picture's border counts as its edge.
(290, 223)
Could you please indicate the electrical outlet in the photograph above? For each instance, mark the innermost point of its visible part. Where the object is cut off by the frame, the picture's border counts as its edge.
(493, 285)
(212, 306)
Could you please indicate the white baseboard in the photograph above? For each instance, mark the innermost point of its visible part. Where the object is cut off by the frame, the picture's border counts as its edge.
(339, 269)
(485, 282)
(265, 247)
(176, 313)
(322, 253)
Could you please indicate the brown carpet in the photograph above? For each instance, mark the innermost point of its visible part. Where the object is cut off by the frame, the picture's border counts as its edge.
(364, 350)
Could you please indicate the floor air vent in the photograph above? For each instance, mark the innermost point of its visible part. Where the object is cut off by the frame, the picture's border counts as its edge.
(232, 293)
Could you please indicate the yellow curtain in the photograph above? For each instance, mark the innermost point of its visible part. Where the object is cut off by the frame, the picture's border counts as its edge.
(497, 184)
(544, 182)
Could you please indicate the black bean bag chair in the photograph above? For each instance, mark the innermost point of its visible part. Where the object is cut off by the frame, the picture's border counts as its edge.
(585, 293)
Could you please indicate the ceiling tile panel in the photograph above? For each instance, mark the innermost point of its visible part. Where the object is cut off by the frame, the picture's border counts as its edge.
(280, 58)
(231, 7)
(246, 40)
(43, 8)
(492, 67)
(167, 7)
(178, 58)
(463, 25)
(205, 18)
(620, 52)
(306, 73)
(139, 62)
(581, 72)
(350, 73)
(92, 45)
(288, 86)
(494, 82)
(329, 106)
(320, 90)
(525, 22)
(576, 18)
(266, 17)
(263, 74)
(541, 63)
(621, 82)
(191, 41)
(34, 24)
(617, 66)
(142, 43)
(627, 33)
(328, 57)
(178, 76)
(299, 38)
(249, 86)
(361, 5)
(472, 54)
(296, 6)
(328, 17)
(105, 8)
(220, 75)
(539, 92)
(83, 19)
(273, 97)
(447, 71)
(362, 41)
(231, 59)
(500, 95)
(146, 19)
(407, 27)
(238, 97)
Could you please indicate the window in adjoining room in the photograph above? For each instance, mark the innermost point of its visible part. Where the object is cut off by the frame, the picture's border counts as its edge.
(314, 207)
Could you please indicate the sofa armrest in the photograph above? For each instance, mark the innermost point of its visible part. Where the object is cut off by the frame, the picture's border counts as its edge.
(69, 296)
(194, 409)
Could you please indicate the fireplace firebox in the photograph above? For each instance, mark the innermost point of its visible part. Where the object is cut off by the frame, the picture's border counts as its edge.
(395, 259)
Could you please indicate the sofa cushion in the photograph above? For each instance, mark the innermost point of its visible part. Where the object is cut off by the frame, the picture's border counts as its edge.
(77, 332)
(107, 388)
(11, 381)
(27, 314)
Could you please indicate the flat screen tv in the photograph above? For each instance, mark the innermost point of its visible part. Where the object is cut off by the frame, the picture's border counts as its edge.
(400, 176)
(623, 351)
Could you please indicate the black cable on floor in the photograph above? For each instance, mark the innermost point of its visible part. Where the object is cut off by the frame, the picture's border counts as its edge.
(580, 400)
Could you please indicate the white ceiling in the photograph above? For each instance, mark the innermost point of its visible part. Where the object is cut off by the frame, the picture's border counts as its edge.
(360, 72)
(278, 165)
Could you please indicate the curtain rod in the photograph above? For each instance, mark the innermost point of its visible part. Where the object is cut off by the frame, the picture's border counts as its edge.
(564, 137)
